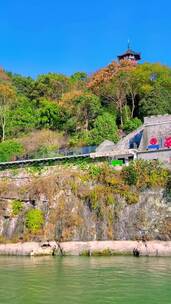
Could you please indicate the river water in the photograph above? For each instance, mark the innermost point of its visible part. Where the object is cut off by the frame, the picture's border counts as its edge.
(84, 280)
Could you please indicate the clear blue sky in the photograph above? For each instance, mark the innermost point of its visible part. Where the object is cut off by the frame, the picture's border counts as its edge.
(38, 36)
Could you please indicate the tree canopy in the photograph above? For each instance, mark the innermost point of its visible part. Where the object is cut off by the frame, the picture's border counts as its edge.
(86, 109)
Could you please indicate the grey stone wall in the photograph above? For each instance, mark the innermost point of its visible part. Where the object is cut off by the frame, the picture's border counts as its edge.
(158, 127)
(157, 119)
(162, 155)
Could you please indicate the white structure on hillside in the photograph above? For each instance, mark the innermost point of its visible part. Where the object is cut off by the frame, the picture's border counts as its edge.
(151, 141)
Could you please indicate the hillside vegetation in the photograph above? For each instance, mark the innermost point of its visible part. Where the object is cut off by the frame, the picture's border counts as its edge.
(39, 116)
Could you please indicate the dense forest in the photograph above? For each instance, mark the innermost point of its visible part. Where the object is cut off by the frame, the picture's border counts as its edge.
(40, 116)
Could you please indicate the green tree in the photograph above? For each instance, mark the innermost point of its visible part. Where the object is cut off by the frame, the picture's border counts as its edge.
(132, 124)
(79, 76)
(50, 115)
(51, 86)
(154, 90)
(9, 150)
(158, 101)
(22, 117)
(70, 125)
(24, 85)
(104, 128)
(88, 107)
(79, 80)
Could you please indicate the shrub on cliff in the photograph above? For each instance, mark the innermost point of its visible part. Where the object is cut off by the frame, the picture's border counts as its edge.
(17, 207)
(34, 220)
(168, 186)
(145, 174)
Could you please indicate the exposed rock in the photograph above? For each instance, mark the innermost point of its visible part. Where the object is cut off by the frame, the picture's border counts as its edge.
(69, 215)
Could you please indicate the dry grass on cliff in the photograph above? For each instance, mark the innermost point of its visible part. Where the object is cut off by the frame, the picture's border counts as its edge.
(42, 138)
(43, 186)
(51, 184)
(4, 187)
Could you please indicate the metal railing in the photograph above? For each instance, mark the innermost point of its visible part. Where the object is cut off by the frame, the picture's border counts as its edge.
(59, 153)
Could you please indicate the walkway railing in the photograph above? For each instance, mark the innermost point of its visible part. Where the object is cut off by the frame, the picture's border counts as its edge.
(59, 153)
(52, 156)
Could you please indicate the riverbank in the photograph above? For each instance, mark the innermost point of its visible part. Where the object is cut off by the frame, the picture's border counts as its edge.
(92, 248)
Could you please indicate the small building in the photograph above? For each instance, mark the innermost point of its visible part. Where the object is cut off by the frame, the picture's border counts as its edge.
(151, 141)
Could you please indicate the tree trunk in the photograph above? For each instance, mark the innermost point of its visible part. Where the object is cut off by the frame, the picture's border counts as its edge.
(86, 117)
(121, 121)
(3, 129)
(121, 103)
(86, 124)
(133, 105)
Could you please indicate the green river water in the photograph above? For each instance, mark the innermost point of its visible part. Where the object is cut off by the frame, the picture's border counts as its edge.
(83, 280)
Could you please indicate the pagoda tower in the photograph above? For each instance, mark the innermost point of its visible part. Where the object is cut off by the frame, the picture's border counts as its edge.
(130, 55)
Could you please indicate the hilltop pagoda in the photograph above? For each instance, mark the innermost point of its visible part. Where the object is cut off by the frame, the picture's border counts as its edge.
(130, 55)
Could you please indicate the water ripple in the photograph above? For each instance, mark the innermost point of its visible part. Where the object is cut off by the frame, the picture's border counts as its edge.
(82, 280)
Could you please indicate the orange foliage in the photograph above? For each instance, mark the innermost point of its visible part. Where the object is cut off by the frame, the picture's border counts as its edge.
(106, 74)
(68, 97)
(6, 92)
(3, 75)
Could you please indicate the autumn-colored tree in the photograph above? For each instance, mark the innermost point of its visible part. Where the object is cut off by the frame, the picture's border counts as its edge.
(128, 84)
(7, 95)
(67, 99)
(3, 76)
(110, 83)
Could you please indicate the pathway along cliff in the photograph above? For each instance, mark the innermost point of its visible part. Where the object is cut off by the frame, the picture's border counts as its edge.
(92, 248)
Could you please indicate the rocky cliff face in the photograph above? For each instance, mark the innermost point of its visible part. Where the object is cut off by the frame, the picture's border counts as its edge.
(76, 207)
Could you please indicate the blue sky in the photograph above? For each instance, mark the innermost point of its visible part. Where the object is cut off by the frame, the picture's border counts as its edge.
(39, 36)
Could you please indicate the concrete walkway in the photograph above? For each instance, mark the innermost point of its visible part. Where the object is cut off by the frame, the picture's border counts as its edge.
(151, 248)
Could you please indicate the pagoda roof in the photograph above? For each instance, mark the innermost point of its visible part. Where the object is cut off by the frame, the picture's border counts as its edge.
(130, 52)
